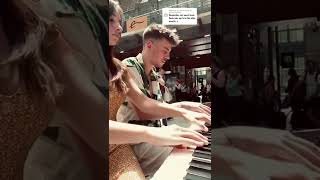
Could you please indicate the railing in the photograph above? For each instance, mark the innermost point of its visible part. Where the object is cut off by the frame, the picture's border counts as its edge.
(154, 10)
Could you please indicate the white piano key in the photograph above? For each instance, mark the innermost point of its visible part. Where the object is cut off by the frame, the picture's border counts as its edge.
(175, 166)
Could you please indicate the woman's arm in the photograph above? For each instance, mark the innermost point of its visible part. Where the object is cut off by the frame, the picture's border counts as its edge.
(191, 106)
(123, 133)
(147, 116)
(120, 133)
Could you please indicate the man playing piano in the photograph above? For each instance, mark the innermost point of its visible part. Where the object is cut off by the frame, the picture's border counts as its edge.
(158, 42)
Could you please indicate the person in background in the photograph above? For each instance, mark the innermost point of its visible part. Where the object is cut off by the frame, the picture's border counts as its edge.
(294, 78)
(219, 92)
(292, 83)
(165, 93)
(203, 89)
(178, 90)
(209, 92)
(161, 73)
(183, 91)
(304, 96)
(209, 88)
(312, 81)
(234, 90)
(269, 102)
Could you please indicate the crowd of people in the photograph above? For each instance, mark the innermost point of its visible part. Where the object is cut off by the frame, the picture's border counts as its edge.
(191, 92)
(303, 97)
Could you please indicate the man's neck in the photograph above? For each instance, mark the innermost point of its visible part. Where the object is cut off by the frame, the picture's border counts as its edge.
(146, 61)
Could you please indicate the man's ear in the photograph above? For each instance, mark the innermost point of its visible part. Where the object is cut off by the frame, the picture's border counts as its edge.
(149, 44)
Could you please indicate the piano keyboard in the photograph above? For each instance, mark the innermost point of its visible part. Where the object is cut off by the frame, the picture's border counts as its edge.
(312, 135)
(187, 164)
(200, 165)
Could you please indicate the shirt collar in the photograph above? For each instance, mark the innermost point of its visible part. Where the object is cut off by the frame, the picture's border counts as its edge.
(139, 58)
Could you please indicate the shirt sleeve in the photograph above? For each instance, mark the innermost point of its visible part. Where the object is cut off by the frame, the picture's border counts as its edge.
(136, 76)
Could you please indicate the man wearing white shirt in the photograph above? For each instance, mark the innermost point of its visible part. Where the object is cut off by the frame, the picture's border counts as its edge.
(157, 44)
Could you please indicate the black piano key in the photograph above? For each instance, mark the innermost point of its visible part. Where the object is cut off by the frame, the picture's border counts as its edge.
(201, 165)
(206, 161)
(204, 148)
(203, 152)
(202, 155)
(207, 146)
(199, 172)
(207, 133)
(201, 160)
(195, 177)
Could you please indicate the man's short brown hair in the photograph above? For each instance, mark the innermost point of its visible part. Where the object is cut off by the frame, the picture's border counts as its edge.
(158, 31)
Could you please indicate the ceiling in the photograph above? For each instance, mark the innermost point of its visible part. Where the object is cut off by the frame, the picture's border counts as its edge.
(196, 41)
(254, 11)
(194, 51)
